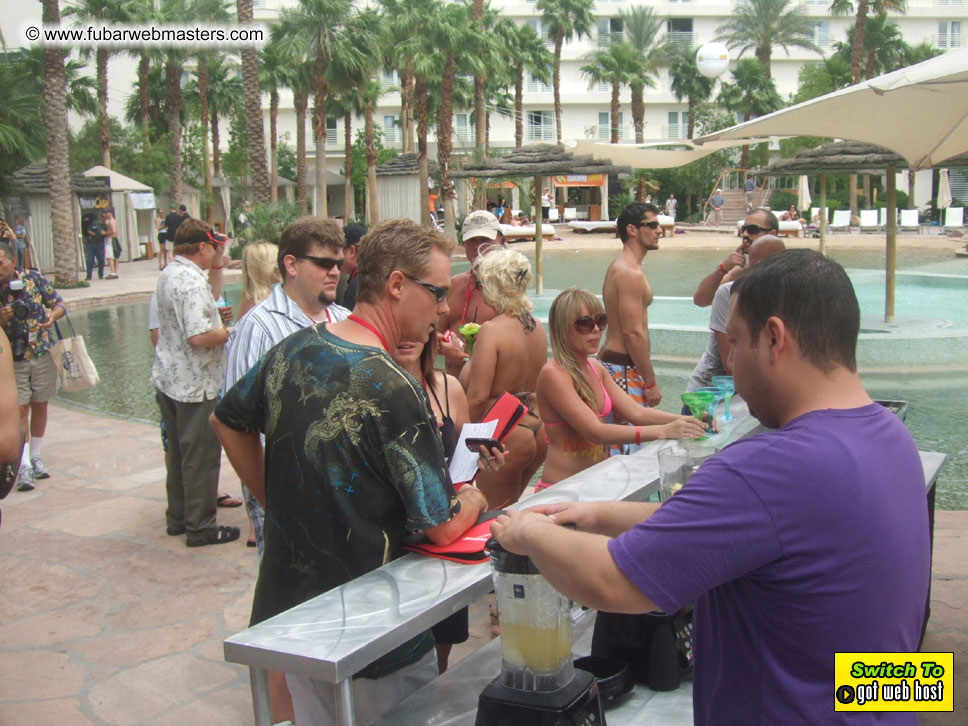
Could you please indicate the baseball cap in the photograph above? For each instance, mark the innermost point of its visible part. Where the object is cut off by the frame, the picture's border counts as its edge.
(480, 223)
(718, 190)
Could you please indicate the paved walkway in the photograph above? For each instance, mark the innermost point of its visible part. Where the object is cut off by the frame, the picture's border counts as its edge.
(107, 620)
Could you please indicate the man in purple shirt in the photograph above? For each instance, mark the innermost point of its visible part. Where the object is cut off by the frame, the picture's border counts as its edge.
(795, 544)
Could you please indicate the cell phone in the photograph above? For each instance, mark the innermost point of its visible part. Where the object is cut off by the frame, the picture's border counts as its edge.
(474, 445)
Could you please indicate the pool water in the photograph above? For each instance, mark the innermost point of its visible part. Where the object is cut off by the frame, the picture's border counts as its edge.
(118, 343)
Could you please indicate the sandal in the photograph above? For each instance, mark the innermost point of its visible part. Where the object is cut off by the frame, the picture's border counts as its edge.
(227, 500)
(221, 535)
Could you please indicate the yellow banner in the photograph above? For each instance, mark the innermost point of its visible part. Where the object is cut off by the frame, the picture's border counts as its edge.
(893, 681)
(580, 180)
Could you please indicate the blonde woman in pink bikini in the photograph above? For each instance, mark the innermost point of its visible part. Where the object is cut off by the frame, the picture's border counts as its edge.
(577, 397)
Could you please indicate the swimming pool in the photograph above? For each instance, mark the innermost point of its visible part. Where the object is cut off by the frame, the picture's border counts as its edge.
(117, 340)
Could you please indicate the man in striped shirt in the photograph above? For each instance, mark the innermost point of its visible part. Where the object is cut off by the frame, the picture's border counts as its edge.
(310, 257)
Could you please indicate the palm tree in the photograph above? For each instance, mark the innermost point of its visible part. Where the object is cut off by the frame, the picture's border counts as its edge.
(525, 51)
(58, 165)
(317, 25)
(274, 73)
(762, 25)
(450, 33)
(644, 31)
(80, 88)
(151, 88)
(860, 10)
(21, 113)
(117, 11)
(919, 53)
(209, 69)
(884, 45)
(617, 66)
(293, 49)
(252, 98)
(353, 74)
(564, 20)
(688, 83)
(752, 93)
(405, 22)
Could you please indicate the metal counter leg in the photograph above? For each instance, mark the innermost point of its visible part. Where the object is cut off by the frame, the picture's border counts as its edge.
(345, 709)
(259, 683)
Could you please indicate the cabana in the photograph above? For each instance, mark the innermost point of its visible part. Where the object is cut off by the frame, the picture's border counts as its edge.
(134, 209)
(32, 185)
(537, 161)
(335, 192)
(398, 188)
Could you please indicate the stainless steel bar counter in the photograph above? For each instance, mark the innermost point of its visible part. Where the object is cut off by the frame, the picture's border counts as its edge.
(334, 635)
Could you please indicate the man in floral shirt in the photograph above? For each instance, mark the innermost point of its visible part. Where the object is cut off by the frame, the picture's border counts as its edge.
(188, 372)
(25, 298)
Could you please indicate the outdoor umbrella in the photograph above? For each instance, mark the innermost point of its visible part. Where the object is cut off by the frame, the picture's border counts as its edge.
(921, 112)
(803, 193)
(944, 190)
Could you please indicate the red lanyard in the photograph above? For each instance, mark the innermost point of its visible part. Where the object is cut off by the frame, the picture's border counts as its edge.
(467, 297)
(329, 318)
(361, 321)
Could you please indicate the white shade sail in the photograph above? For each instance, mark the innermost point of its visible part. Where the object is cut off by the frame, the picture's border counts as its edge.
(920, 112)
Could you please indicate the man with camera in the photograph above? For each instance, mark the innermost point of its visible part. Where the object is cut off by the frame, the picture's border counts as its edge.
(25, 299)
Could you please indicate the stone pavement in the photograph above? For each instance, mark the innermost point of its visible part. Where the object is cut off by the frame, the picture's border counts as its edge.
(108, 620)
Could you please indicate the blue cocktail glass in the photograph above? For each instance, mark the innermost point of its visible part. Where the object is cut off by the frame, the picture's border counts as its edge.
(719, 393)
(727, 383)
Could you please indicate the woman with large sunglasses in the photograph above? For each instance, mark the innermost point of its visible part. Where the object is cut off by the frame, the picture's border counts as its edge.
(577, 396)
(509, 351)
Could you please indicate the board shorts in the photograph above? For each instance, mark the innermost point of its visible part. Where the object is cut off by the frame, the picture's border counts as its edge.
(630, 380)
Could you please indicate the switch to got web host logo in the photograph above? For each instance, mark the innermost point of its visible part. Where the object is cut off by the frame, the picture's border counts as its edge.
(893, 682)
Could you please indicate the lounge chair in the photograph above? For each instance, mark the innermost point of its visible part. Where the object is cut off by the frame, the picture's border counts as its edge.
(882, 218)
(909, 219)
(868, 220)
(553, 214)
(954, 218)
(841, 220)
(790, 228)
(571, 214)
(526, 231)
(584, 226)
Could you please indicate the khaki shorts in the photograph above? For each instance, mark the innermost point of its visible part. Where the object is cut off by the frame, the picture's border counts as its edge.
(36, 379)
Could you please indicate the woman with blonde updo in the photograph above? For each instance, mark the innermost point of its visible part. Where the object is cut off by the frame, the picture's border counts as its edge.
(509, 351)
(260, 272)
(578, 397)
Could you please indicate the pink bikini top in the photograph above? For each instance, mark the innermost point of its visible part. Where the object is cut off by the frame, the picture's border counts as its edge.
(606, 407)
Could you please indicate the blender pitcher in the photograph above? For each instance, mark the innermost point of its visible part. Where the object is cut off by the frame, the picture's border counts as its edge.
(535, 625)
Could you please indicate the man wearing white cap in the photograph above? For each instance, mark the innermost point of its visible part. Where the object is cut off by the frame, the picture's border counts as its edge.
(465, 299)
(716, 204)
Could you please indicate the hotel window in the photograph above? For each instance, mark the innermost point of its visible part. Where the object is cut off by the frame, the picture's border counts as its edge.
(605, 125)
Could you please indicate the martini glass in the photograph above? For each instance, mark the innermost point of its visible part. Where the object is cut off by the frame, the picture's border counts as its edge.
(719, 393)
(698, 402)
(727, 383)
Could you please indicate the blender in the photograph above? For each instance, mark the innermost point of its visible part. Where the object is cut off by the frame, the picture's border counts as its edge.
(538, 683)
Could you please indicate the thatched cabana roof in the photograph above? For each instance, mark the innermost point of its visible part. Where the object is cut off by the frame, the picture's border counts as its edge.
(537, 160)
(35, 179)
(842, 156)
(404, 164)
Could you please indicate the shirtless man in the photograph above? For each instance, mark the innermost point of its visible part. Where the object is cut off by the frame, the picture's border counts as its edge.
(627, 295)
(465, 299)
(758, 223)
(111, 245)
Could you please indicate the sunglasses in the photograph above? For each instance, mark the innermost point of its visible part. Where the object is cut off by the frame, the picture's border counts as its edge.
(753, 229)
(327, 263)
(586, 323)
(439, 293)
(654, 224)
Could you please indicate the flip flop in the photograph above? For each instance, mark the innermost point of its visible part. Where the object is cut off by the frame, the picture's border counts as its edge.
(227, 500)
(221, 535)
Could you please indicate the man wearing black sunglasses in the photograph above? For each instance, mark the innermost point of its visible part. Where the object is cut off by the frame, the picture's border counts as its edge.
(757, 223)
(627, 296)
(353, 460)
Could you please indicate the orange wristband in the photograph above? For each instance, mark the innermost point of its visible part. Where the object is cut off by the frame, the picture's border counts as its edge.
(217, 267)
(638, 435)
(721, 268)
(651, 385)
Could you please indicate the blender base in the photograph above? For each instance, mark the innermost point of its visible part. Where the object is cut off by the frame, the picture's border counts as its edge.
(576, 704)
